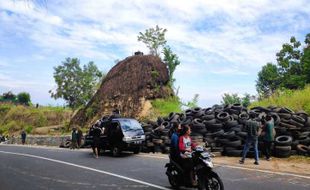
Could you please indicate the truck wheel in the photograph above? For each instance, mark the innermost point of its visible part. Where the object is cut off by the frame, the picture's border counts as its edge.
(116, 151)
(137, 150)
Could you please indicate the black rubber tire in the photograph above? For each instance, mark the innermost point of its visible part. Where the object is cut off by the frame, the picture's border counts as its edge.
(276, 118)
(283, 148)
(299, 119)
(287, 125)
(137, 150)
(230, 124)
(215, 127)
(283, 140)
(198, 122)
(209, 122)
(285, 115)
(217, 149)
(304, 141)
(302, 149)
(116, 151)
(213, 182)
(242, 134)
(282, 153)
(295, 123)
(229, 134)
(223, 116)
(217, 134)
(208, 117)
(286, 110)
(233, 153)
(236, 143)
(223, 141)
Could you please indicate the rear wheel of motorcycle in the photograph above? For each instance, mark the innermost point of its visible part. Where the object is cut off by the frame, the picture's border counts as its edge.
(211, 182)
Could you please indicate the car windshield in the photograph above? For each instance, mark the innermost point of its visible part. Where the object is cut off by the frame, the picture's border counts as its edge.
(130, 125)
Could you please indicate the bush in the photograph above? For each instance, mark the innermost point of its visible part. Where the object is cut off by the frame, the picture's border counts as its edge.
(294, 99)
(165, 106)
(15, 117)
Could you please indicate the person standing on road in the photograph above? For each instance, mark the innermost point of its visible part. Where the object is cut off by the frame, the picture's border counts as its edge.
(23, 136)
(96, 140)
(268, 136)
(74, 138)
(79, 137)
(251, 127)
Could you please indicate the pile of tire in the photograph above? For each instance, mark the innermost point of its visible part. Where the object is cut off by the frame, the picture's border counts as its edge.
(221, 129)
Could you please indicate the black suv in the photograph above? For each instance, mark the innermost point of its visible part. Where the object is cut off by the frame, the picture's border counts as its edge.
(120, 134)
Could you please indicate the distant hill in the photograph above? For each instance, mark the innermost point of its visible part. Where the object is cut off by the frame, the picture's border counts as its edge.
(14, 118)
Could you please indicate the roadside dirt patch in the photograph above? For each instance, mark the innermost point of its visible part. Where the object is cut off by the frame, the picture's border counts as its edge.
(294, 165)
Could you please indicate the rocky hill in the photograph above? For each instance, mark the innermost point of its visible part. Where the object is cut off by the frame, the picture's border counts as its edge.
(129, 86)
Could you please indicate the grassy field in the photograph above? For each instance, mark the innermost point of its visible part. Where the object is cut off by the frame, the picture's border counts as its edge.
(14, 118)
(296, 100)
(162, 107)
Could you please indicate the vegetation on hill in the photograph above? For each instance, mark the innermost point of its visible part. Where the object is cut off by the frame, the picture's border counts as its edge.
(162, 107)
(17, 117)
(21, 98)
(292, 70)
(293, 99)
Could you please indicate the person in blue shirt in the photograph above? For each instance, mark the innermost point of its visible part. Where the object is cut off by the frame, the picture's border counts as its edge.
(174, 144)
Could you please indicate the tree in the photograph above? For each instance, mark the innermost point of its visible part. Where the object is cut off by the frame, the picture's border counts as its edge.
(9, 96)
(74, 84)
(230, 99)
(306, 64)
(234, 98)
(246, 100)
(24, 98)
(305, 60)
(268, 80)
(290, 67)
(172, 61)
(193, 103)
(154, 38)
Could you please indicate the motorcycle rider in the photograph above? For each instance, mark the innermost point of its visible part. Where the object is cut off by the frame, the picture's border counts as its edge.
(174, 145)
(185, 148)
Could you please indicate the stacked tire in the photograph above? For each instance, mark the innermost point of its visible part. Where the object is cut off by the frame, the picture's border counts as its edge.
(283, 146)
(221, 129)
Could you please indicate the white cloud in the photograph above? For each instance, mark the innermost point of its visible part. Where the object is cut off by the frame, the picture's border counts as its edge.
(221, 37)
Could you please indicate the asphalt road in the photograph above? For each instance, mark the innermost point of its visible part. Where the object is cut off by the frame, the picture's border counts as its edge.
(26, 168)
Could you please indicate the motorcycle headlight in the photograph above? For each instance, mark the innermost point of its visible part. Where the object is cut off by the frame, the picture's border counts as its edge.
(208, 163)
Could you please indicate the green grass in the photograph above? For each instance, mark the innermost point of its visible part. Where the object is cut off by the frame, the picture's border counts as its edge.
(162, 107)
(293, 99)
(17, 117)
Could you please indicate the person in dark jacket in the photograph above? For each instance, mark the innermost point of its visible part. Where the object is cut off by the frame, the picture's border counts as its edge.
(23, 136)
(79, 137)
(74, 138)
(96, 140)
(251, 127)
(268, 136)
(174, 144)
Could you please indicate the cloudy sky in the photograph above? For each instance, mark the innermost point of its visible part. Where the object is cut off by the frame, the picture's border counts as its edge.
(221, 44)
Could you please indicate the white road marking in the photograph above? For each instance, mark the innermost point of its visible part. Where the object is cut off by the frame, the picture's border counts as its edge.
(88, 168)
(237, 167)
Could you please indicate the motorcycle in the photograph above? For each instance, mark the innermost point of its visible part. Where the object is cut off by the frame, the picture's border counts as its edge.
(203, 169)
